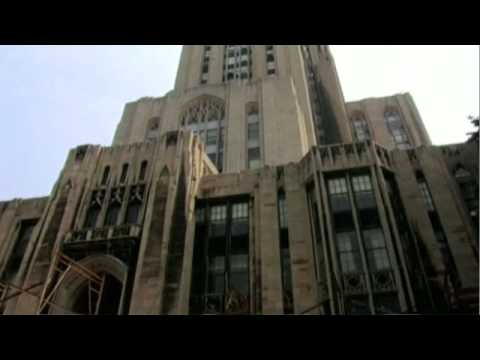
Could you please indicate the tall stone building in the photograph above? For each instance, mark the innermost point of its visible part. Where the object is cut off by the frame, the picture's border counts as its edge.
(251, 188)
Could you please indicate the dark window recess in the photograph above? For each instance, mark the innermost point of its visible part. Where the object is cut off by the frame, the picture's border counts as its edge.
(340, 202)
(92, 216)
(143, 171)
(285, 258)
(106, 174)
(109, 303)
(343, 221)
(368, 218)
(220, 162)
(212, 157)
(21, 243)
(133, 212)
(270, 58)
(112, 214)
(123, 177)
(205, 68)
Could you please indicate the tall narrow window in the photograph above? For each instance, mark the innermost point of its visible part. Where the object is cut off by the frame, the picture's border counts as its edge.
(369, 222)
(112, 214)
(376, 250)
(92, 216)
(106, 174)
(94, 208)
(347, 243)
(360, 127)
(221, 258)
(237, 62)
(285, 259)
(348, 252)
(270, 58)
(135, 201)
(19, 248)
(253, 136)
(123, 176)
(239, 250)
(397, 130)
(438, 229)
(427, 197)
(113, 210)
(143, 171)
(205, 64)
(133, 212)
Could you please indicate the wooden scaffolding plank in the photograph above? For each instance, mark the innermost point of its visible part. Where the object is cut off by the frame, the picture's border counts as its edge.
(21, 291)
(52, 285)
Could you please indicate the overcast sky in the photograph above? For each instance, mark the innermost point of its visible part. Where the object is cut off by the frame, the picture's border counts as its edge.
(53, 98)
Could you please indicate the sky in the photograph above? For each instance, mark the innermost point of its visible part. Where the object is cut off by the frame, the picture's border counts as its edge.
(54, 98)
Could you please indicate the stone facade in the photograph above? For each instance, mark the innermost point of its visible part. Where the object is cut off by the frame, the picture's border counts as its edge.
(251, 188)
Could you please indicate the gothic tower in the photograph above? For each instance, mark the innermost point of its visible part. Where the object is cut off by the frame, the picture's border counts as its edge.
(253, 105)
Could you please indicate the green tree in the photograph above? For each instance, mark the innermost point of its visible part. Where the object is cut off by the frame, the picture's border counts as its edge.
(474, 134)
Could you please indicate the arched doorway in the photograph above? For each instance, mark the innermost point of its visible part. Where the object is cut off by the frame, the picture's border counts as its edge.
(76, 297)
(84, 302)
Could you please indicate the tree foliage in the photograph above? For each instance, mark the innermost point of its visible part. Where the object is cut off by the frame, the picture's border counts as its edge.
(474, 134)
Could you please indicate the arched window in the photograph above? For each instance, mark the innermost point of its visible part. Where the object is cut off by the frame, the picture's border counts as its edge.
(205, 117)
(360, 127)
(396, 128)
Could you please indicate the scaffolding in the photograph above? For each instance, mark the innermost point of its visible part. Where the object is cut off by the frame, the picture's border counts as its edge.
(59, 268)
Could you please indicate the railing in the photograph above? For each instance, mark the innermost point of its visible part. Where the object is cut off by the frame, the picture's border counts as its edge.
(383, 281)
(105, 233)
(216, 304)
(341, 156)
(354, 283)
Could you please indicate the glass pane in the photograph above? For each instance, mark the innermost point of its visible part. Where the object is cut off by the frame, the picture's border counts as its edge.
(361, 183)
(212, 136)
(239, 262)
(374, 239)
(253, 131)
(239, 243)
(365, 200)
(239, 282)
(337, 186)
(340, 202)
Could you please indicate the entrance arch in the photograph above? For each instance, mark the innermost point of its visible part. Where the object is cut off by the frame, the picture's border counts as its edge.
(72, 295)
